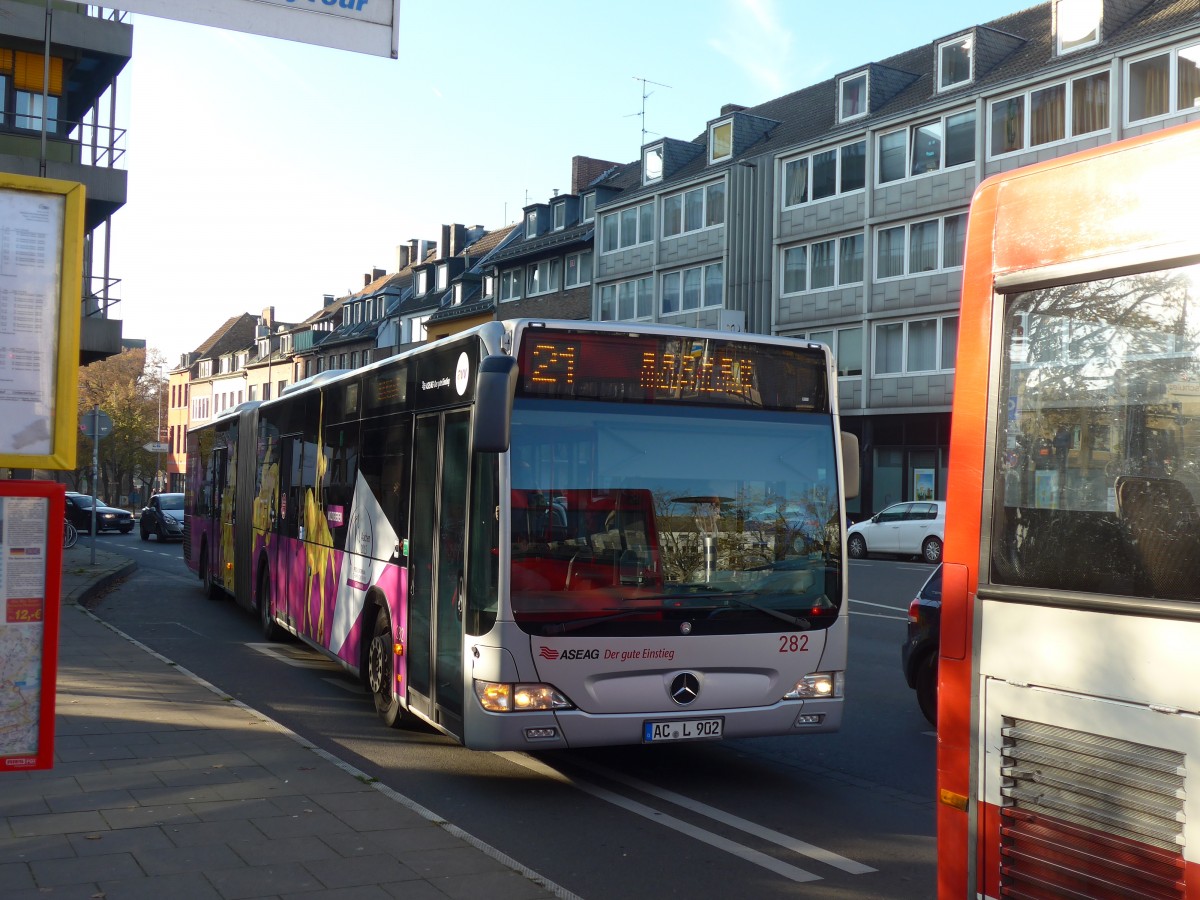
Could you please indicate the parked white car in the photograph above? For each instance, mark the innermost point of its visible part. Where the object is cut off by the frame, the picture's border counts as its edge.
(916, 528)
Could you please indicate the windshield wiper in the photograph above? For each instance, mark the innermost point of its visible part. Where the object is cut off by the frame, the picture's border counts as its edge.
(778, 614)
(577, 624)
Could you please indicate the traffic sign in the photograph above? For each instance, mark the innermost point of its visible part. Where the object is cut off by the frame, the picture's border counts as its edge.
(95, 424)
(156, 447)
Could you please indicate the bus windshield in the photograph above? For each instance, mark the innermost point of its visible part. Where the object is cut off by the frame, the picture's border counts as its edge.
(630, 520)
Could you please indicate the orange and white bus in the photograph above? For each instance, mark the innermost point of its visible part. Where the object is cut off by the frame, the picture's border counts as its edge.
(1069, 669)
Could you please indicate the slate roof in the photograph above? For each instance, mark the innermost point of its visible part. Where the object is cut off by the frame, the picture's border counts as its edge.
(808, 116)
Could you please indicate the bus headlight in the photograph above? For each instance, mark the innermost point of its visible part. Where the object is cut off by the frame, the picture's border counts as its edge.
(817, 686)
(499, 697)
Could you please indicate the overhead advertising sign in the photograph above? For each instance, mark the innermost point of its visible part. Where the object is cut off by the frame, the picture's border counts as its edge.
(362, 26)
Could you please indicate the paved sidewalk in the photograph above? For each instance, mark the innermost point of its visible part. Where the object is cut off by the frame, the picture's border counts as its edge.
(164, 788)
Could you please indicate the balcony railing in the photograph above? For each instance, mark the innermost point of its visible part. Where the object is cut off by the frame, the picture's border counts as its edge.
(82, 142)
(99, 294)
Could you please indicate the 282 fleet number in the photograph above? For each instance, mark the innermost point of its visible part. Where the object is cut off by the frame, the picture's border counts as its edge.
(793, 643)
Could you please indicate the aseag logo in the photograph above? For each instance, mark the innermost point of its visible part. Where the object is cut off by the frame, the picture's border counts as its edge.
(548, 653)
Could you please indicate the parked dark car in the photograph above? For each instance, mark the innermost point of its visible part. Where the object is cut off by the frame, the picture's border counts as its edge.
(163, 517)
(108, 518)
(919, 653)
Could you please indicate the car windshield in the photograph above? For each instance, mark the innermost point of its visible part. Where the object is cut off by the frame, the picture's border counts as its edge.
(171, 502)
(86, 502)
(639, 520)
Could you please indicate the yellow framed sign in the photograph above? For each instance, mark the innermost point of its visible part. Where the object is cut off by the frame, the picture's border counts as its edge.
(41, 276)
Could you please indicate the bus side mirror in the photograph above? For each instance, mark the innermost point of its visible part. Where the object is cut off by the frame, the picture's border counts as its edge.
(495, 388)
(850, 465)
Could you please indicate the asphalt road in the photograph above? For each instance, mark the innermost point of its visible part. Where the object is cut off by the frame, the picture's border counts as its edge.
(846, 815)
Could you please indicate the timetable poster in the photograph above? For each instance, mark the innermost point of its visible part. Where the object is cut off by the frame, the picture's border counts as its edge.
(31, 248)
(26, 685)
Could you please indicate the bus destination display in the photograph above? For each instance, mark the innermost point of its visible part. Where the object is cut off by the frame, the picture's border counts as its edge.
(648, 368)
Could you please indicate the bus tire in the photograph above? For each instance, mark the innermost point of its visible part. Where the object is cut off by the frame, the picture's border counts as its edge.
(210, 589)
(381, 671)
(926, 683)
(270, 628)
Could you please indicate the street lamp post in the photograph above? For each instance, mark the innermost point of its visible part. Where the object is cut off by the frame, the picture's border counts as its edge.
(158, 437)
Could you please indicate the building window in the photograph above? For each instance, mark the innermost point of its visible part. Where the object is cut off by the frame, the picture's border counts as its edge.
(691, 289)
(542, 277)
(489, 286)
(422, 281)
(720, 141)
(1163, 84)
(589, 207)
(1049, 114)
(443, 280)
(847, 347)
(206, 368)
(955, 62)
(823, 264)
(852, 97)
(414, 329)
(918, 247)
(627, 227)
(702, 207)
(652, 164)
(560, 216)
(917, 346)
(531, 224)
(825, 174)
(510, 285)
(366, 357)
(1077, 24)
(579, 269)
(627, 301)
(944, 142)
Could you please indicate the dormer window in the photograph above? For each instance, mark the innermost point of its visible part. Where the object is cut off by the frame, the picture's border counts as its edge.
(589, 207)
(720, 141)
(1077, 24)
(531, 224)
(489, 285)
(852, 97)
(443, 277)
(422, 282)
(955, 62)
(652, 164)
(458, 294)
(560, 216)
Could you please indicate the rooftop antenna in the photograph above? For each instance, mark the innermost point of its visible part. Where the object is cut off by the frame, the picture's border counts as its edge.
(646, 93)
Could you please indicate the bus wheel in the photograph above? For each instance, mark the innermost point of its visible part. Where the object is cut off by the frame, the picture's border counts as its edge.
(270, 628)
(210, 590)
(381, 673)
(857, 546)
(926, 684)
(931, 550)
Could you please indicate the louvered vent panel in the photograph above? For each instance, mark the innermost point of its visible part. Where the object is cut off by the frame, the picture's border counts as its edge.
(1089, 817)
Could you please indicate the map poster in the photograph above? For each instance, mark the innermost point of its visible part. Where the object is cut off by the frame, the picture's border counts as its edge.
(31, 513)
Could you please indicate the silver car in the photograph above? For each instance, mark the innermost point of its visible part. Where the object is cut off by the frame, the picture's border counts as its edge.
(163, 517)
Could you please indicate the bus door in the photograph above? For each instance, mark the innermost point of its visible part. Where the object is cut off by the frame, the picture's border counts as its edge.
(288, 577)
(437, 534)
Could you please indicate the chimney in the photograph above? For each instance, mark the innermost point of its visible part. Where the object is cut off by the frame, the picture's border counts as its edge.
(402, 257)
(458, 239)
(328, 300)
(268, 316)
(445, 244)
(731, 108)
(376, 274)
(424, 248)
(366, 278)
(414, 251)
(585, 170)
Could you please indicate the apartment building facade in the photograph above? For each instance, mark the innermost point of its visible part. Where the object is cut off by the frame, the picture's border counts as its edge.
(56, 121)
(837, 213)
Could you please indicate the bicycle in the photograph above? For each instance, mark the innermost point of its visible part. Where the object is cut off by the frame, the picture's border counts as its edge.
(70, 534)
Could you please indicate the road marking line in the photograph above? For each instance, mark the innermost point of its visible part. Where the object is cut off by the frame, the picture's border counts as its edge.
(796, 845)
(706, 837)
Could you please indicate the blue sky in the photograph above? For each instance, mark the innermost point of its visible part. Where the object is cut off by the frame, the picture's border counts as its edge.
(264, 172)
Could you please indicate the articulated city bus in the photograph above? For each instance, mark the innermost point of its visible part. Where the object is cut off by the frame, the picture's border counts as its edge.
(1069, 695)
(539, 535)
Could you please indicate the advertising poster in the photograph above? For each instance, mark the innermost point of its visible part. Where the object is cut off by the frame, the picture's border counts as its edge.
(923, 484)
(30, 580)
